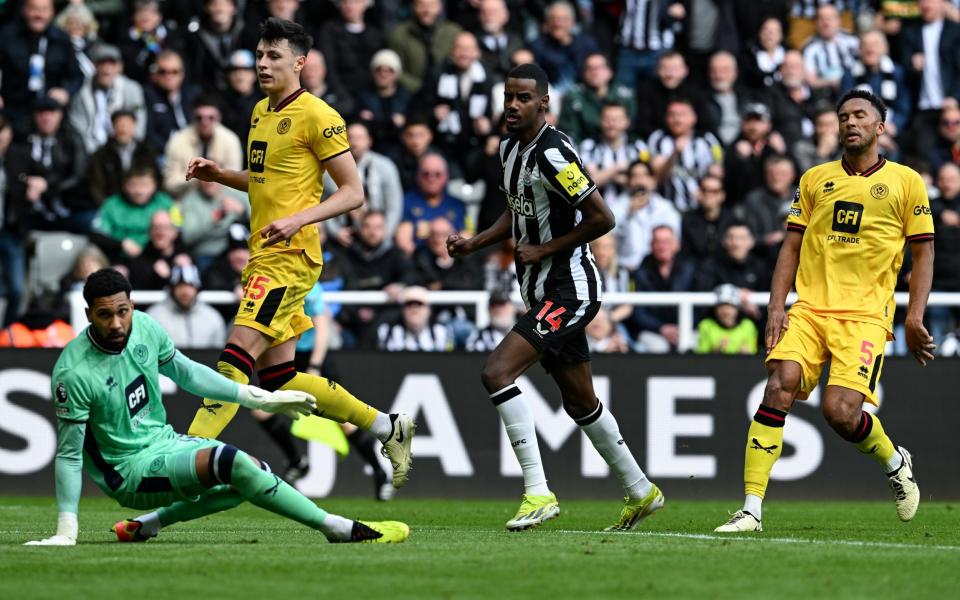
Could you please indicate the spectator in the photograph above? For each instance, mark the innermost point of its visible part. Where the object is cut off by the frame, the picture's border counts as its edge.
(164, 250)
(766, 53)
(206, 137)
(764, 206)
(169, 101)
(120, 153)
(349, 44)
(79, 23)
(726, 331)
(413, 331)
(381, 184)
(416, 141)
(503, 316)
(37, 61)
(123, 221)
(190, 322)
(426, 202)
(639, 213)
(500, 269)
(680, 156)
(616, 278)
(437, 270)
(497, 43)
(285, 10)
(89, 261)
(374, 262)
(671, 82)
(703, 226)
(314, 78)
(725, 100)
(210, 45)
(422, 42)
(559, 49)
(603, 336)
(663, 270)
(930, 55)
(146, 38)
(758, 141)
(383, 106)
(876, 72)
(946, 265)
(13, 228)
(608, 156)
(47, 170)
(460, 97)
(107, 92)
(825, 145)
(241, 95)
(226, 272)
(208, 212)
(737, 265)
(795, 104)
(647, 29)
(830, 51)
(947, 147)
(583, 103)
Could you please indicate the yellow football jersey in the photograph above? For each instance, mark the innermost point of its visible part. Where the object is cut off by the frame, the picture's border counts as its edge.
(854, 229)
(285, 154)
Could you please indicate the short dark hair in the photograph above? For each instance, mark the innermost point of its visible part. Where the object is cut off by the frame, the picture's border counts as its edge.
(207, 99)
(105, 282)
(639, 163)
(122, 112)
(534, 72)
(141, 170)
(864, 95)
(273, 30)
(738, 223)
(680, 100)
(613, 104)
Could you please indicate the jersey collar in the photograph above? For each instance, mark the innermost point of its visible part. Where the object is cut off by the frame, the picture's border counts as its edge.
(99, 345)
(536, 137)
(870, 170)
(286, 101)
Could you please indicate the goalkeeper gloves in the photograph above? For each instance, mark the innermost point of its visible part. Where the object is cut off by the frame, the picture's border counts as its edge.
(67, 528)
(292, 403)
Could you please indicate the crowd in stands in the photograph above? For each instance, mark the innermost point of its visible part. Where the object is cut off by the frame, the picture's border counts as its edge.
(696, 119)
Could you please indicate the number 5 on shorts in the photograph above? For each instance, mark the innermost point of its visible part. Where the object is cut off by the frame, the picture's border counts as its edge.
(866, 353)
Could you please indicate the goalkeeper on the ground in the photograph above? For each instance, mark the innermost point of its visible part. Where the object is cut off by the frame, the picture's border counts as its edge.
(112, 423)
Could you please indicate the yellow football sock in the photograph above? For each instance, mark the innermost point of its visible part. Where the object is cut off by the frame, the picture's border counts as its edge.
(213, 416)
(333, 401)
(870, 438)
(764, 444)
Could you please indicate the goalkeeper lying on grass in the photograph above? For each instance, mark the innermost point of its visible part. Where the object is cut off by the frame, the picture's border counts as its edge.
(110, 412)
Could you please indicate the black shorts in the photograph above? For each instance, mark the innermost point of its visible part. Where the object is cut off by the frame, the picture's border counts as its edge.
(555, 325)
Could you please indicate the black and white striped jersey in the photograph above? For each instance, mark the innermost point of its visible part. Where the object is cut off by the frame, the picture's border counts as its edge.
(692, 164)
(544, 182)
(642, 26)
(598, 154)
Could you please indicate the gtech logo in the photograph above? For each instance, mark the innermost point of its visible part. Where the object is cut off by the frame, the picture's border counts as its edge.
(922, 210)
(329, 132)
(847, 216)
(258, 156)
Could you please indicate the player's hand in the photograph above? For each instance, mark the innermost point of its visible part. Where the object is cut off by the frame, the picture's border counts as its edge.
(457, 245)
(777, 323)
(292, 403)
(281, 230)
(203, 169)
(57, 540)
(919, 341)
(529, 254)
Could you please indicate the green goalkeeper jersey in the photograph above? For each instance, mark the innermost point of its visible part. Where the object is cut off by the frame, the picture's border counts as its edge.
(117, 395)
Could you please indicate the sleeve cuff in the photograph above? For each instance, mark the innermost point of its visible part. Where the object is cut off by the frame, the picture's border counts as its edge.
(796, 227)
(920, 237)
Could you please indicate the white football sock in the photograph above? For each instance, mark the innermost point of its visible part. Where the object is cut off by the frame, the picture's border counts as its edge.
(894, 463)
(602, 429)
(382, 426)
(521, 431)
(752, 505)
(149, 524)
(337, 528)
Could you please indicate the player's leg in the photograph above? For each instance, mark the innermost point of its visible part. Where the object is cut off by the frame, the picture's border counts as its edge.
(575, 380)
(395, 432)
(365, 445)
(277, 428)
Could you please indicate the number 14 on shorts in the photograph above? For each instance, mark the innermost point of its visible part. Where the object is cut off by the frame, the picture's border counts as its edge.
(552, 318)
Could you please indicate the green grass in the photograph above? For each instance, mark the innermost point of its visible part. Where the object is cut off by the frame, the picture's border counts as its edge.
(458, 549)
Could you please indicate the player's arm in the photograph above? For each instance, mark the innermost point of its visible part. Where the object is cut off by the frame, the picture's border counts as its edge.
(496, 233)
(919, 341)
(205, 169)
(349, 195)
(596, 220)
(203, 381)
(784, 275)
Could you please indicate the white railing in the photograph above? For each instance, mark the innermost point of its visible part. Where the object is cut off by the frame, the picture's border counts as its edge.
(685, 302)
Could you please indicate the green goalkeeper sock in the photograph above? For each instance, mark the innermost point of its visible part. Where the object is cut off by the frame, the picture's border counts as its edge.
(217, 499)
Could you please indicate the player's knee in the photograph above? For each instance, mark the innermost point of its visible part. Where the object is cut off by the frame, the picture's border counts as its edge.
(229, 466)
(494, 377)
(580, 406)
(782, 388)
(841, 419)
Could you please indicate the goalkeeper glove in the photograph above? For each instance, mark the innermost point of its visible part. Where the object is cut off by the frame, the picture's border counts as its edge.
(67, 528)
(292, 403)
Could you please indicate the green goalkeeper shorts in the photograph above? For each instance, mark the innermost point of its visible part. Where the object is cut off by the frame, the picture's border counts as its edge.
(163, 474)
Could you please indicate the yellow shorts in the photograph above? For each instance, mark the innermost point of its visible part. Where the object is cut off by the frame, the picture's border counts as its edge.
(855, 347)
(275, 285)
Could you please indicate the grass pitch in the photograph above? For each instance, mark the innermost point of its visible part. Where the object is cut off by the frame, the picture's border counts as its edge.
(458, 549)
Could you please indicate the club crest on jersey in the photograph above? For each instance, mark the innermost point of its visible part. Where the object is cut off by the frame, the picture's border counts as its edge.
(879, 191)
(141, 354)
(527, 176)
(572, 179)
(284, 125)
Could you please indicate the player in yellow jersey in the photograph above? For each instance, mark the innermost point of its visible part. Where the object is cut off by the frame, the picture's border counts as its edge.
(846, 233)
(294, 138)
